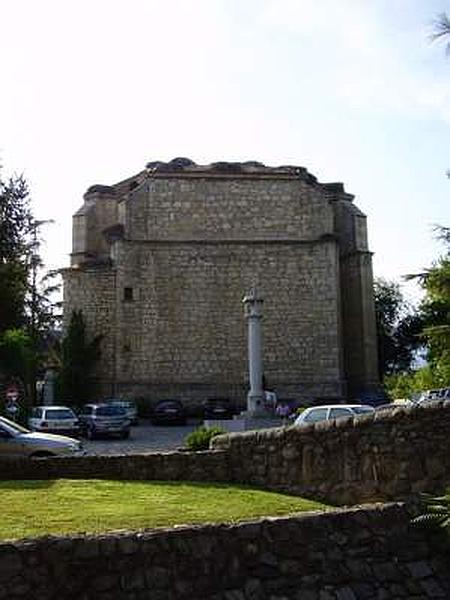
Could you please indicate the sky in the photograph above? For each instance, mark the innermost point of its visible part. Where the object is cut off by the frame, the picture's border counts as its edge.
(353, 90)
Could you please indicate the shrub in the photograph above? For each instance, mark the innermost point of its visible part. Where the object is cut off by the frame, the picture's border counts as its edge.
(298, 411)
(200, 438)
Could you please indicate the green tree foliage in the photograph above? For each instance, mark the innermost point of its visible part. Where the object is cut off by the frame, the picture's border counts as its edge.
(27, 305)
(398, 329)
(434, 315)
(408, 384)
(78, 359)
(18, 355)
(18, 361)
(15, 227)
(435, 310)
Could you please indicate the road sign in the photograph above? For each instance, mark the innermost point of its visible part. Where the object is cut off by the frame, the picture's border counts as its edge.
(12, 393)
(12, 408)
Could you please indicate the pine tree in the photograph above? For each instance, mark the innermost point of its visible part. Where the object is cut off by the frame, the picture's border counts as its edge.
(79, 356)
(15, 228)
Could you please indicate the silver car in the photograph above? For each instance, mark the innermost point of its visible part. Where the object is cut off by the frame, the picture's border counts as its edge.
(129, 406)
(16, 440)
(104, 419)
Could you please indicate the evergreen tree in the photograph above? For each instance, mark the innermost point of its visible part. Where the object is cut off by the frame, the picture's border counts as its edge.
(28, 312)
(15, 227)
(79, 356)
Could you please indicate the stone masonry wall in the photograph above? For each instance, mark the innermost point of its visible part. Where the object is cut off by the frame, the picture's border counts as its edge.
(189, 241)
(170, 466)
(256, 208)
(186, 317)
(378, 456)
(93, 290)
(368, 553)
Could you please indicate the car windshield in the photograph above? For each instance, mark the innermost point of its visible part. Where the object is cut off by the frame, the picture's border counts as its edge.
(110, 411)
(59, 413)
(359, 410)
(317, 414)
(118, 402)
(12, 427)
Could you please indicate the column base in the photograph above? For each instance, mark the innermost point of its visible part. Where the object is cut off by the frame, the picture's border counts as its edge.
(255, 405)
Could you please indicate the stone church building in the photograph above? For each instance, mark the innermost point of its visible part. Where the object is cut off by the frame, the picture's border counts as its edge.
(162, 260)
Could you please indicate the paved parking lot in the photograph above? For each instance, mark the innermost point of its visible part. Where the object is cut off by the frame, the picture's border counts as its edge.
(146, 438)
(143, 438)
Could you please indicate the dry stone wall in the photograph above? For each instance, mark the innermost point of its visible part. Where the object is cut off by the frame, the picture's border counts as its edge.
(170, 466)
(381, 457)
(378, 456)
(368, 553)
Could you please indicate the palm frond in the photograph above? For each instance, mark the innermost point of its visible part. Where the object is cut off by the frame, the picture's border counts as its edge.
(441, 27)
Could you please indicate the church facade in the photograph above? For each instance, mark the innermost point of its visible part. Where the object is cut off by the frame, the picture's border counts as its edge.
(161, 261)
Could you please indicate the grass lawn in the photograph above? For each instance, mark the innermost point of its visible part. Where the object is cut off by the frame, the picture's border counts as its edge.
(32, 508)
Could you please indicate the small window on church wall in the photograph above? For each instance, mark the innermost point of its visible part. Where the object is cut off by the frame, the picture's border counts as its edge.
(128, 294)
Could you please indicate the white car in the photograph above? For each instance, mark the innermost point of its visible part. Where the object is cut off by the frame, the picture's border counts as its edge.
(16, 440)
(429, 395)
(54, 419)
(332, 411)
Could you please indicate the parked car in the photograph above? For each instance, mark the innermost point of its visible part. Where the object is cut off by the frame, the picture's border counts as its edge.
(129, 406)
(104, 419)
(16, 440)
(393, 405)
(438, 394)
(217, 408)
(54, 419)
(332, 411)
(168, 412)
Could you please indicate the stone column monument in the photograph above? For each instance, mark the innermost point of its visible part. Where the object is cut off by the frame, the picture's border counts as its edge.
(253, 313)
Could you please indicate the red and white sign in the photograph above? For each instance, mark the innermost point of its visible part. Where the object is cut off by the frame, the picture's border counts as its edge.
(12, 393)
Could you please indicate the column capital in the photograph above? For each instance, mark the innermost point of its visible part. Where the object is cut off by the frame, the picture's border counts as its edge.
(253, 302)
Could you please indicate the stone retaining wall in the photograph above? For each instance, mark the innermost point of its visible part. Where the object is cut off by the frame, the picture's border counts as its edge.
(367, 553)
(170, 466)
(378, 456)
(375, 457)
